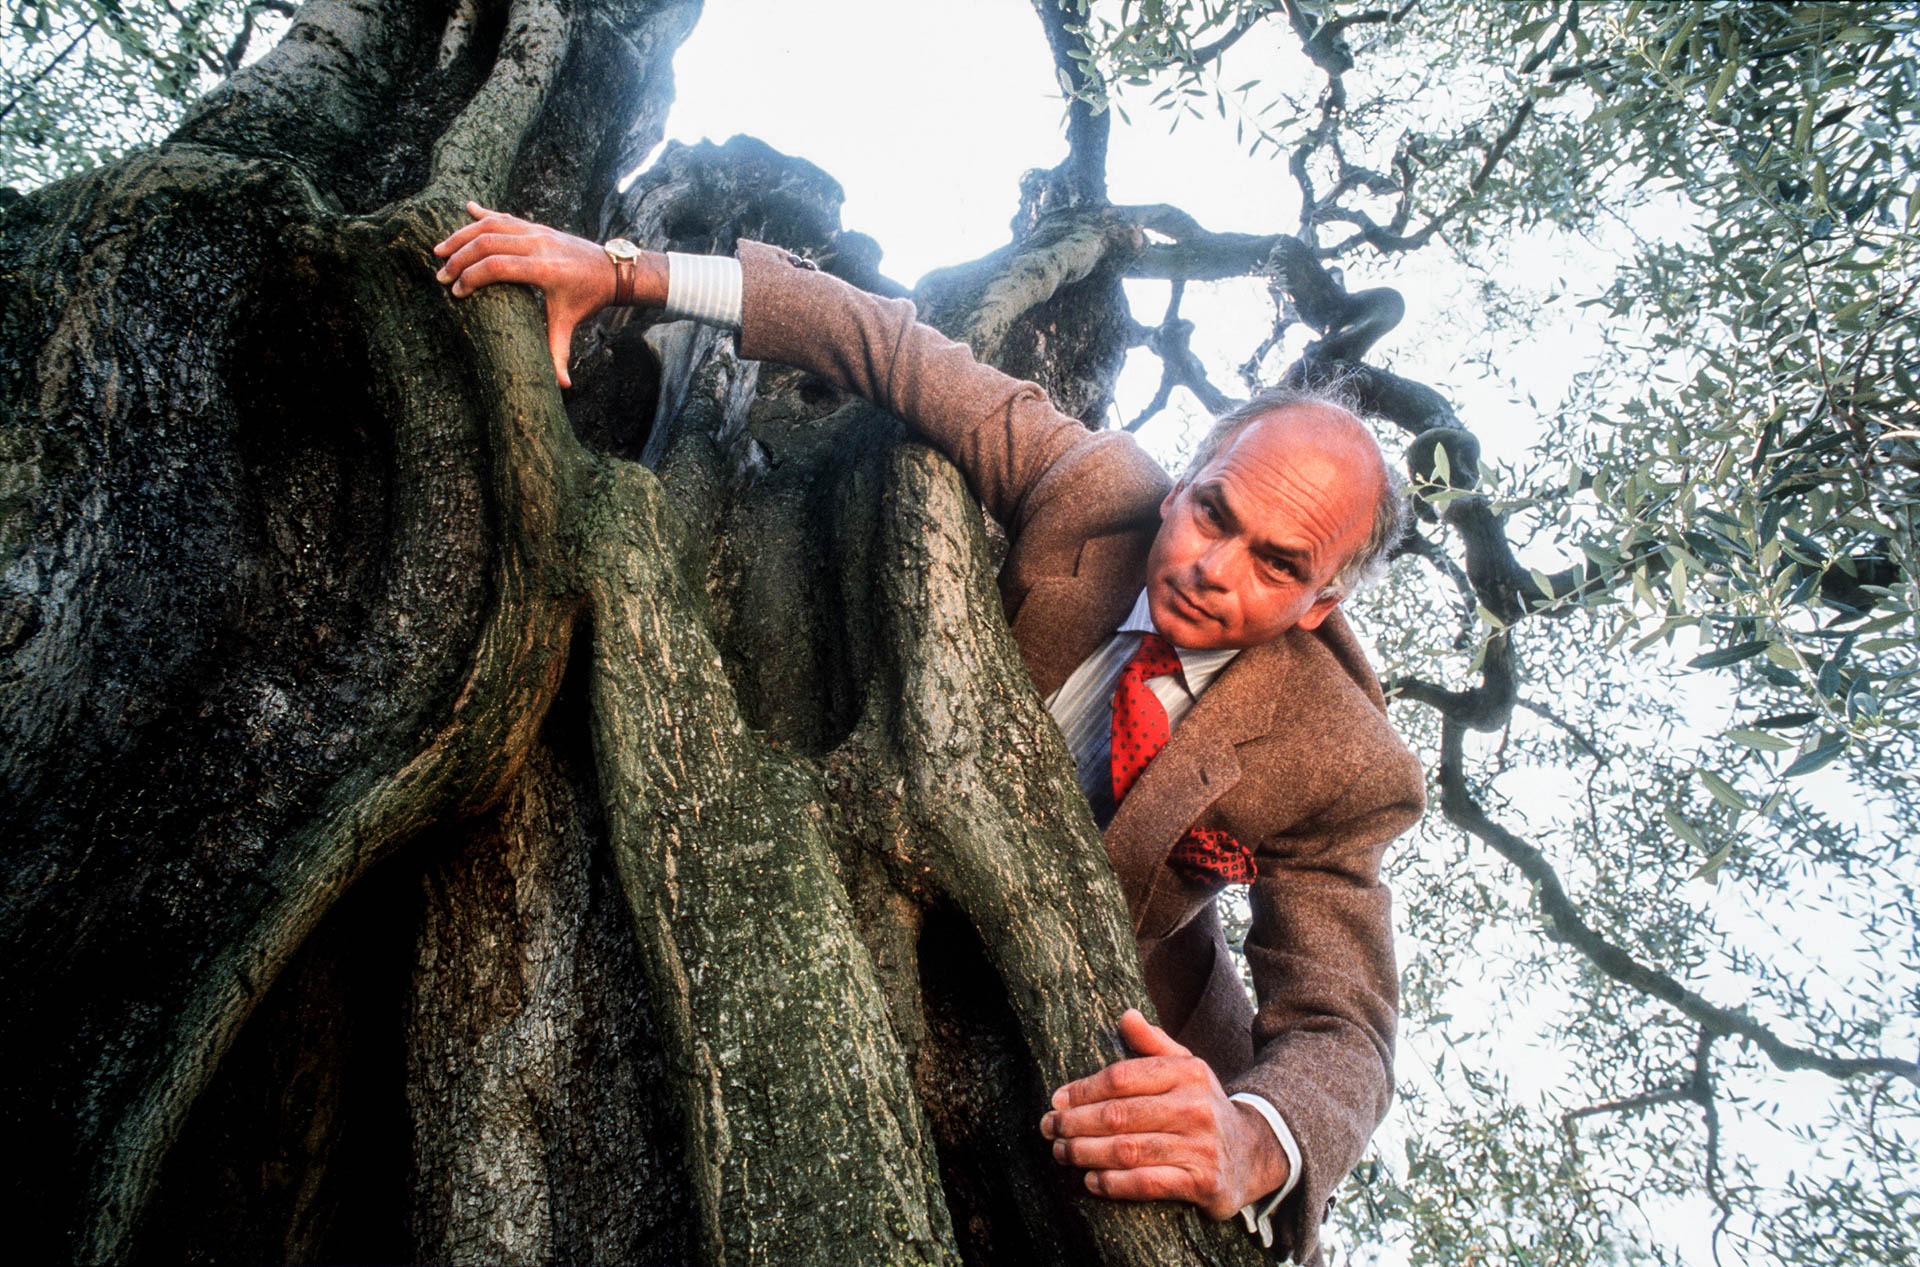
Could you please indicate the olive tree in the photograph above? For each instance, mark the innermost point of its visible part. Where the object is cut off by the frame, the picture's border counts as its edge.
(451, 821)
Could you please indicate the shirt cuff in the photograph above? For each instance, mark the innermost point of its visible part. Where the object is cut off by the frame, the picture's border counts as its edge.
(1258, 1214)
(704, 288)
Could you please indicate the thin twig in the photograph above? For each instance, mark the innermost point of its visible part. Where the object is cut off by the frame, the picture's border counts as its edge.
(1542, 710)
(42, 73)
(1633, 1103)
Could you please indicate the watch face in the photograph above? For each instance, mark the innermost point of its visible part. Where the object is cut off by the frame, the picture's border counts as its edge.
(621, 249)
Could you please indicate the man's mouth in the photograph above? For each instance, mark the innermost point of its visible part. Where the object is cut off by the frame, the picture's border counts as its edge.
(1186, 608)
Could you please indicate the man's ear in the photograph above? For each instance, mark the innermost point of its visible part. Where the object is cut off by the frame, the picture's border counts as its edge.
(1166, 503)
(1322, 608)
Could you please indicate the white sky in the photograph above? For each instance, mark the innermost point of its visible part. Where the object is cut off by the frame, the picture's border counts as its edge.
(927, 114)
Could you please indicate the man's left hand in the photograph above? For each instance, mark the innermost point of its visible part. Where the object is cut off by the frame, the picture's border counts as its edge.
(1159, 1127)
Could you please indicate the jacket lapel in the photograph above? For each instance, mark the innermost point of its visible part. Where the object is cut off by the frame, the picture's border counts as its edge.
(1196, 768)
(1062, 621)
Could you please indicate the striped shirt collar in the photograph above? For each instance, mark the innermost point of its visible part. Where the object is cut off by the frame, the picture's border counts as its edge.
(1198, 667)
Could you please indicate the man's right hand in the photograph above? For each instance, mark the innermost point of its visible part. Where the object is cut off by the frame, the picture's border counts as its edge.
(575, 275)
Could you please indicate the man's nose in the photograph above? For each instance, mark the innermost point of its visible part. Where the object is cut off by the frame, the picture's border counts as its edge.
(1218, 565)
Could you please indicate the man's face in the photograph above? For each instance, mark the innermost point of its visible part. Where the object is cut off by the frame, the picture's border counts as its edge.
(1247, 546)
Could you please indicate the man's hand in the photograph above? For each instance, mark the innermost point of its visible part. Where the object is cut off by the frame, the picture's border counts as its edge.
(1160, 1128)
(575, 275)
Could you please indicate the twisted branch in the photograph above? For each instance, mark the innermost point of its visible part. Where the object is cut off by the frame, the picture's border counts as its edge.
(1179, 367)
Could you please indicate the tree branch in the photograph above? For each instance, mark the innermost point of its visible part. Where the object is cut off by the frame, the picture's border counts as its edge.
(237, 51)
(1391, 239)
(44, 71)
(1573, 732)
(1323, 45)
(1208, 53)
(1460, 809)
(1486, 707)
(1196, 253)
(1179, 366)
(1633, 1103)
(1552, 48)
(1081, 178)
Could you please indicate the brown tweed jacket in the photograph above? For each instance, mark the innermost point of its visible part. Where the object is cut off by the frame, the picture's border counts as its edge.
(1289, 749)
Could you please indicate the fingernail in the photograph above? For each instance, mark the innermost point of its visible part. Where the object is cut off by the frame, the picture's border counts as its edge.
(1060, 1150)
(1046, 1125)
(440, 276)
(1059, 1100)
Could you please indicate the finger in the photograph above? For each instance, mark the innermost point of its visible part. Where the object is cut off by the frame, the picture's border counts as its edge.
(1187, 1109)
(500, 222)
(1148, 1183)
(499, 268)
(468, 232)
(455, 240)
(527, 269)
(489, 222)
(1146, 1038)
(483, 245)
(560, 343)
(480, 211)
(1122, 1152)
(1139, 1076)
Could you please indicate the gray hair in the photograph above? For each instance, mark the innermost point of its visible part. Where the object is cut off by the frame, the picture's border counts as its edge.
(1392, 514)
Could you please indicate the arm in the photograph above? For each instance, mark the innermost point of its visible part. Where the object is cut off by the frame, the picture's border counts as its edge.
(1321, 955)
(1001, 432)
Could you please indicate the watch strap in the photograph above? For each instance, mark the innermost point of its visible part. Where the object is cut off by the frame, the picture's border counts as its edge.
(626, 270)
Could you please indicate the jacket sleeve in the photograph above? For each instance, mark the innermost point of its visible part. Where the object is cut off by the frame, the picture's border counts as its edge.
(1001, 432)
(1321, 953)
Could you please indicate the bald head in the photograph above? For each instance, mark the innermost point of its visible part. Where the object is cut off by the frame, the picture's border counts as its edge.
(1329, 421)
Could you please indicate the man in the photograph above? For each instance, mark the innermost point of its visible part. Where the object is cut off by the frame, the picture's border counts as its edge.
(1204, 610)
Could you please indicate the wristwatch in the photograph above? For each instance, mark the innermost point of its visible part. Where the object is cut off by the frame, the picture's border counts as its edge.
(626, 269)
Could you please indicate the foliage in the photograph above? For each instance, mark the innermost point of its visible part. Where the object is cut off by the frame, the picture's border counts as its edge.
(1714, 657)
(82, 81)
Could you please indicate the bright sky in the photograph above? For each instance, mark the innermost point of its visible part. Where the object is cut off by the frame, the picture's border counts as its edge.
(926, 114)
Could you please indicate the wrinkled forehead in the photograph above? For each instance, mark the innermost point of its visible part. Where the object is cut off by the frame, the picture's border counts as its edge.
(1319, 437)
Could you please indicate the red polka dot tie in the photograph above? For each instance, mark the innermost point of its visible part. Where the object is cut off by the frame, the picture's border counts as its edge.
(1139, 723)
(1139, 732)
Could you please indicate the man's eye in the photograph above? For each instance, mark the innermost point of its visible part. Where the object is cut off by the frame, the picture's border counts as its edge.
(1278, 569)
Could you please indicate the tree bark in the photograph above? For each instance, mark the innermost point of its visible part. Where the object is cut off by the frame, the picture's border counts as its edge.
(449, 823)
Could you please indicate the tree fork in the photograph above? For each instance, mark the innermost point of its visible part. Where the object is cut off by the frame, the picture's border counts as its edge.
(318, 594)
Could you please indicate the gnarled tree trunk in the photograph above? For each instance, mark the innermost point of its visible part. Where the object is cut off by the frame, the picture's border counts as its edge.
(450, 823)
